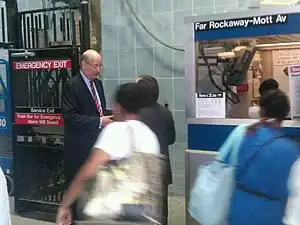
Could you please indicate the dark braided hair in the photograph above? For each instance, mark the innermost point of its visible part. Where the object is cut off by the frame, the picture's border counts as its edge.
(274, 106)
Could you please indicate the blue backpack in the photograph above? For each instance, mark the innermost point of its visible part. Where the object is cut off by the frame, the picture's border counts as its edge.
(211, 193)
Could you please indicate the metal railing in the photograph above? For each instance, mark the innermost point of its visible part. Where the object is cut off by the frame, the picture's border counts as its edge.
(45, 28)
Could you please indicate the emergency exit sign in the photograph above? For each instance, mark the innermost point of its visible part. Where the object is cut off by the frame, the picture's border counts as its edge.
(42, 65)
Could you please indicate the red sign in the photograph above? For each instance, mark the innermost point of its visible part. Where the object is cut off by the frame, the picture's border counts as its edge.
(295, 69)
(242, 88)
(42, 65)
(39, 119)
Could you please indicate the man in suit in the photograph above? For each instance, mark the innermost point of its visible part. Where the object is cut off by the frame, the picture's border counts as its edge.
(160, 120)
(84, 112)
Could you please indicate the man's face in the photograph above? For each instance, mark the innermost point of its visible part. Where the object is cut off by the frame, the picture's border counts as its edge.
(92, 68)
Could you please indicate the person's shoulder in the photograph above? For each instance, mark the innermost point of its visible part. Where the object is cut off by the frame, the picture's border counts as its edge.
(74, 80)
(142, 129)
(114, 127)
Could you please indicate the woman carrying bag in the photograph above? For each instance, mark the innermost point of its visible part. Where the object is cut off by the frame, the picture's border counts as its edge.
(264, 185)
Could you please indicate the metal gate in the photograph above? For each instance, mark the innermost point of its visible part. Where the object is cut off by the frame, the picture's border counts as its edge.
(37, 81)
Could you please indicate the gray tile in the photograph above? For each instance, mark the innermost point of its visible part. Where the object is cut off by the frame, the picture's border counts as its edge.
(127, 63)
(126, 33)
(109, 37)
(109, 12)
(178, 62)
(179, 150)
(109, 88)
(144, 5)
(226, 8)
(144, 58)
(178, 73)
(22, 5)
(179, 96)
(163, 27)
(143, 39)
(204, 10)
(110, 64)
(179, 35)
(225, 2)
(165, 92)
(122, 8)
(172, 157)
(182, 5)
(34, 4)
(163, 62)
(203, 3)
(178, 186)
(162, 6)
(180, 125)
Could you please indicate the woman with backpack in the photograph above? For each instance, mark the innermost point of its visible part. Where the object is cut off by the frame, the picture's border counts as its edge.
(267, 187)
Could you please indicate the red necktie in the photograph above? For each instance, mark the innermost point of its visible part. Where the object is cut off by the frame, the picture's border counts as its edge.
(95, 98)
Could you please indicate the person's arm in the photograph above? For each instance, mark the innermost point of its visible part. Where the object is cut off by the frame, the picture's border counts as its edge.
(292, 213)
(171, 128)
(71, 114)
(105, 149)
(97, 158)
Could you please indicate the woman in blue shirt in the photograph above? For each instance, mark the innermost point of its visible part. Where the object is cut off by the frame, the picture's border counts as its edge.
(267, 191)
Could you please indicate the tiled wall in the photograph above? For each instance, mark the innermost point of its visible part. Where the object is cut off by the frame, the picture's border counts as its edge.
(130, 51)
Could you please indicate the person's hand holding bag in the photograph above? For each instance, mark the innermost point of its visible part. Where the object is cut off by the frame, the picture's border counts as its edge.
(63, 216)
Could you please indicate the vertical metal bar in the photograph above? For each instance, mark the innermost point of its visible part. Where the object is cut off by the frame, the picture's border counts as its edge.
(30, 88)
(80, 37)
(63, 26)
(73, 28)
(28, 32)
(35, 90)
(39, 21)
(3, 25)
(36, 31)
(57, 87)
(68, 29)
(20, 43)
(32, 27)
(13, 28)
(54, 26)
(24, 34)
(46, 30)
(38, 83)
(85, 29)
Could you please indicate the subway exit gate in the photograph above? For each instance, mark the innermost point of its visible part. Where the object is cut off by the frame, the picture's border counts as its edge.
(37, 80)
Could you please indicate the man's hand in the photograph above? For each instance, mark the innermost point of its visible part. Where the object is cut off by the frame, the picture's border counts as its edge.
(63, 216)
(106, 120)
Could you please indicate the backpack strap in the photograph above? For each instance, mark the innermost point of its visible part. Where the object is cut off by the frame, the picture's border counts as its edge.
(230, 148)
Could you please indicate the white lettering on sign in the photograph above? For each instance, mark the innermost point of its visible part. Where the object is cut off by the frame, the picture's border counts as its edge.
(2, 122)
(241, 22)
(42, 65)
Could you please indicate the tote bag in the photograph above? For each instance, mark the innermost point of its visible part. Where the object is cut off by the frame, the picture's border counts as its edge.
(126, 190)
(211, 193)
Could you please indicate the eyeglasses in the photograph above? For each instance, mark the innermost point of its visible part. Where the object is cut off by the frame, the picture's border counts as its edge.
(95, 66)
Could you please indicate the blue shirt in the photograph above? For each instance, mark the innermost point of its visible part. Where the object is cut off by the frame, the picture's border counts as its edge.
(268, 173)
(87, 82)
